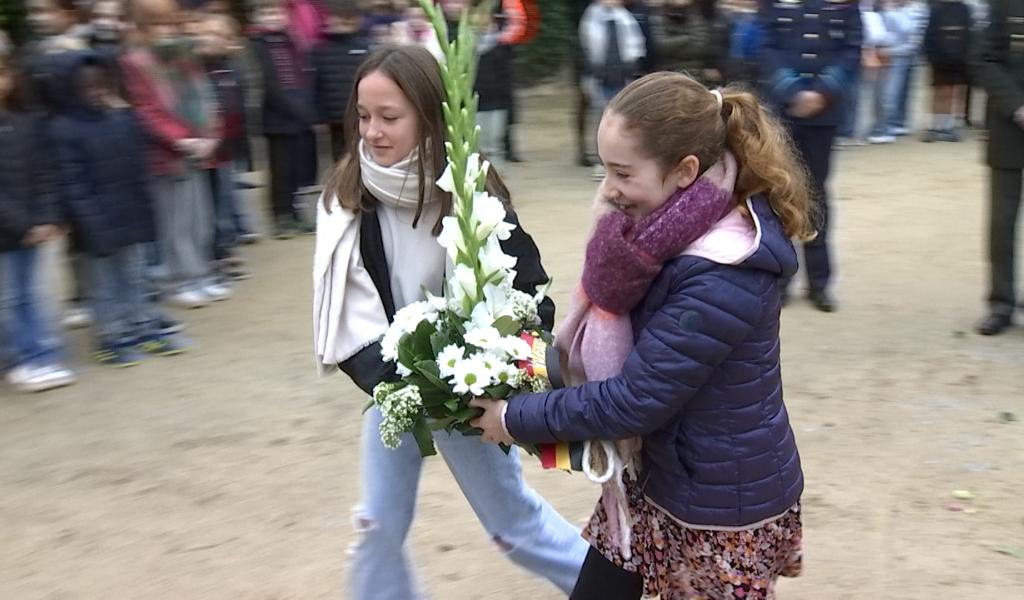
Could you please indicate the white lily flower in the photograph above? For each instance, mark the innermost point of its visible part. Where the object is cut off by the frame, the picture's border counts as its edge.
(471, 376)
(449, 358)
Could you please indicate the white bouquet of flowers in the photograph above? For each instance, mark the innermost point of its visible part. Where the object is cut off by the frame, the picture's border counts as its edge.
(481, 338)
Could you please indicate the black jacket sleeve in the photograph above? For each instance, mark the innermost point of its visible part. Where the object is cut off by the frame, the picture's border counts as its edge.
(530, 271)
(366, 368)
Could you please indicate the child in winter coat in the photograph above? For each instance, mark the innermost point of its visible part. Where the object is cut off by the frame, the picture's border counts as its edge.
(694, 39)
(178, 111)
(218, 47)
(28, 218)
(288, 114)
(335, 62)
(673, 339)
(105, 190)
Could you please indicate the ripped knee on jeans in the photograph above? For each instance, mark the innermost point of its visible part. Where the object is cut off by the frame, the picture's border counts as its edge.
(363, 524)
(502, 544)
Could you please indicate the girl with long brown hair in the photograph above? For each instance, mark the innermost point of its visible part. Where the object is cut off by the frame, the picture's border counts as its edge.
(377, 252)
(673, 342)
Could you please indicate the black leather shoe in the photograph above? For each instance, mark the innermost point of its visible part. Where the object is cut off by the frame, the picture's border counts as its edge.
(823, 301)
(994, 324)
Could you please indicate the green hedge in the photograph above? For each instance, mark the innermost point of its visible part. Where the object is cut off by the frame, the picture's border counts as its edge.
(543, 58)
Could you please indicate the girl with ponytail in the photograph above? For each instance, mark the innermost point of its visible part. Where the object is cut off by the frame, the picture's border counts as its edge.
(673, 348)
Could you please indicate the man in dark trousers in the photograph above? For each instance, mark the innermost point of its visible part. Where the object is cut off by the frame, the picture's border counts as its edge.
(811, 49)
(1000, 70)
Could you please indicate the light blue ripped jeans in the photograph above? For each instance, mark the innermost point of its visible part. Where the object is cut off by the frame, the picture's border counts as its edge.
(527, 528)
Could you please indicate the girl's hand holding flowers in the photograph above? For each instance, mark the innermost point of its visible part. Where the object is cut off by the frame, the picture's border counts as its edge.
(492, 421)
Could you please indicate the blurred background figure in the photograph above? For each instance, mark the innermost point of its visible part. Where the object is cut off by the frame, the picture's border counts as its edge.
(947, 44)
(105, 193)
(810, 53)
(218, 47)
(29, 218)
(876, 58)
(612, 45)
(1001, 72)
(335, 61)
(288, 114)
(694, 39)
(178, 110)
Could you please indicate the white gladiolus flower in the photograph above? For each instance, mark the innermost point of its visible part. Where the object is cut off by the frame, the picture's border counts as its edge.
(471, 376)
(488, 212)
(485, 338)
(447, 181)
(462, 285)
(482, 317)
(451, 237)
(449, 358)
(493, 258)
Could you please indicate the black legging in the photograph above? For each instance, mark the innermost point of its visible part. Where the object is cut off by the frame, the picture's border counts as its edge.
(600, 579)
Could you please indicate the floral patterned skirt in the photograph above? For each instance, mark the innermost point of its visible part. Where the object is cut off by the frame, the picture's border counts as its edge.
(679, 563)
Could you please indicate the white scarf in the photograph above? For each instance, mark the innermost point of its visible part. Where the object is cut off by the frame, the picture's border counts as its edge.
(348, 314)
(593, 34)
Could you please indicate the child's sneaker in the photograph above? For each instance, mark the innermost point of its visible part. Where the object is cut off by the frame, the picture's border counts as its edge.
(162, 345)
(188, 299)
(216, 292)
(598, 173)
(117, 356)
(35, 378)
(248, 237)
(283, 229)
(77, 317)
(167, 326)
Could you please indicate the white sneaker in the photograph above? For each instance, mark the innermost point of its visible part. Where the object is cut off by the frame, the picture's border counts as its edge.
(188, 299)
(216, 292)
(899, 131)
(77, 318)
(881, 139)
(30, 379)
(598, 173)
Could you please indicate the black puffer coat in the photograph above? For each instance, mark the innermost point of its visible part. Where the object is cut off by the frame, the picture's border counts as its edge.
(102, 170)
(336, 61)
(27, 186)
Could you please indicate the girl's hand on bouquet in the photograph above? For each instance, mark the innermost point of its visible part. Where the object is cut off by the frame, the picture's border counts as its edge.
(492, 421)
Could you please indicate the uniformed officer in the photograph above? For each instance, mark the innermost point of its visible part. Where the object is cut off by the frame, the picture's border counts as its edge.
(1000, 70)
(811, 50)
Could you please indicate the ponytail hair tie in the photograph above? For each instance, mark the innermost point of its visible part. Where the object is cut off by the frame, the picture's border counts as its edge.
(718, 98)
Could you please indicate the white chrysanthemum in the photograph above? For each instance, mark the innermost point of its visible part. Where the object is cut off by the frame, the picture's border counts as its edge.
(509, 374)
(485, 338)
(389, 343)
(448, 358)
(515, 347)
(471, 376)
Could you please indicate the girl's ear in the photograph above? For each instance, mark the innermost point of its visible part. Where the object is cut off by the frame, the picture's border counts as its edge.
(686, 171)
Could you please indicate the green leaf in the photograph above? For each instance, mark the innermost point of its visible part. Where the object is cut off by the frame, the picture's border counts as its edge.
(428, 369)
(424, 437)
(467, 414)
(507, 326)
(498, 392)
(453, 405)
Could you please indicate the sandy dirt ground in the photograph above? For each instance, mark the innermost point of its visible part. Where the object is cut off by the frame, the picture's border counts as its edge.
(231, 472)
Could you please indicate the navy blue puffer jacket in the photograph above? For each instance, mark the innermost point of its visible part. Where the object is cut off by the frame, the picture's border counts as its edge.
(103, 172)
(703, 386)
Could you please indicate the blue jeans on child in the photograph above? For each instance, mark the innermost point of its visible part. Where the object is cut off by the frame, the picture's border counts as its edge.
(123, 313)
(522, 523)
(851, 104)
(898, 91)
(30, 340)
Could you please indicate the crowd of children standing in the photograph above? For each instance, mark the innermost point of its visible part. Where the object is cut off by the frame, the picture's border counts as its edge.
(124, 130)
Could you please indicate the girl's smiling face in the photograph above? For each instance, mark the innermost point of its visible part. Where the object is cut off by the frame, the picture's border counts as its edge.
(388, 123)
(635, 183)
